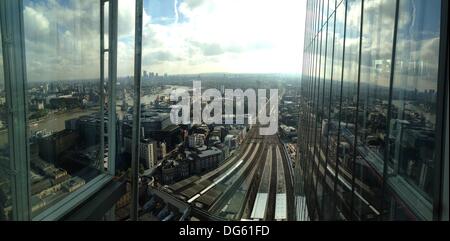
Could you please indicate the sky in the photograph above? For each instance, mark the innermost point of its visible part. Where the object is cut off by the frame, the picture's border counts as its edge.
(179, 37)
(236, 36)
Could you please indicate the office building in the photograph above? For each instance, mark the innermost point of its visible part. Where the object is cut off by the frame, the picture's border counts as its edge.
(374, 111)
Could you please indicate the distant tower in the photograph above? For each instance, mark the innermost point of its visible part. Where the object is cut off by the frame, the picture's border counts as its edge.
(163, 149)
(145, 75)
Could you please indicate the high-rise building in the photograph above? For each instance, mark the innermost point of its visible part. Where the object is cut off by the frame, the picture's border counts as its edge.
(371, 140)
(145, 75)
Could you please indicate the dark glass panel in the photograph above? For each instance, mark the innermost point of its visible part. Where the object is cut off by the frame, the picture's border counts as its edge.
(377, 41)
(413, 111)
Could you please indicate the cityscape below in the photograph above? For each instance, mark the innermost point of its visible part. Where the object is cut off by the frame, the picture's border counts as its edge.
(182, 164)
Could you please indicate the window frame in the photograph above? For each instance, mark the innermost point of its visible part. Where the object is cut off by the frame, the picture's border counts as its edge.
(14, 67)
(14, 59)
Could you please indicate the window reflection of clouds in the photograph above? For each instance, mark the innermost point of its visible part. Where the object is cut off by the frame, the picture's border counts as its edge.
(352, 41)
(338, 42)
(406, 124)
(414, 98)
(422, 39)
(377, 41)
(418, 44)
(60, 39)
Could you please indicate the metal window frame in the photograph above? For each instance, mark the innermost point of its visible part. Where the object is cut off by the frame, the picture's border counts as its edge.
(389, 111)
(136, 136)
(344, 4)
(312, 91)
(102, 85)
(442, 84)
(324, 177)
(440, 197)
(318, 106)
(444, 203)
(112, 87)
(71, 201)
(12, 27)
(352, 197)
(352, 200)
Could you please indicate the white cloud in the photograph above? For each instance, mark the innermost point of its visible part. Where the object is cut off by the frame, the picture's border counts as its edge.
(262, 35)
(38, 24)
(61, 41)
(216, 35)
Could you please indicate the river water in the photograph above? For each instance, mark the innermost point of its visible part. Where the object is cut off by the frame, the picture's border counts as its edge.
(56, 121)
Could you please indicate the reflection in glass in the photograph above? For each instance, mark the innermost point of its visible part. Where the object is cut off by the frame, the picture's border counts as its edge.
(319, 100)
(413, 111)
(62, 48)
(367, 126)
(335, 169)
(323, 154)
(5, 168)
(345, 150)
(331, 7)
(314, 123)
(325, 11)
(373, 105)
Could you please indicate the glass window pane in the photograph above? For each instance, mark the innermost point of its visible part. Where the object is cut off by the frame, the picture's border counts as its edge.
(325, 112)
(345, 151)
(319, 15)
(331, 6)
(62, 49)
(5, 166)
(125, 87)
(325, 11)
(313, 162)
(319, 158)
(378, 29)
(413, 110)
(197, 42)
(338, 170)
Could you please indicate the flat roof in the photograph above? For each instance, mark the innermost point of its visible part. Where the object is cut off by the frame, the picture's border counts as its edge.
(259, 208)
(280, 206)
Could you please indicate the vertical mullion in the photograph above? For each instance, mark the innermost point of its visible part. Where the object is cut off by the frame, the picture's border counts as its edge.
(11, 21)
(136, 112)
(316, 140)
(312, 88)
(112, 77)
(340, 113)
(102, 86)
(388, 118)
(440, 197)
(352, 201)
(318, 145)
(327, 139)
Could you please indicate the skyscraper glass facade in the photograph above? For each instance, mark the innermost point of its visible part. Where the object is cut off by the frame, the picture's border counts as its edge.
(371, 104)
